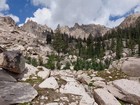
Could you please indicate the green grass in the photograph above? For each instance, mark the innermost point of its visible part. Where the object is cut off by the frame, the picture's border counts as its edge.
(115, 74)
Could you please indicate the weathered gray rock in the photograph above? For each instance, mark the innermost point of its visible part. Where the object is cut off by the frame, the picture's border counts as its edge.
(103, 97)
(130, 89)
(12, 61)
(9, 20)
(131, 67)
(30, 70)
(4, 76)
(44, 73)
(12, 92)
(84, 78)
(87, 100)
(73, 87)
(50, 83)
(1, 59)
(2, 102)
(115, 92)
(99, 84)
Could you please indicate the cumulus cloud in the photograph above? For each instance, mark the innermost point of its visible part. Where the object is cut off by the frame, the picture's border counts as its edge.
(4, 7)
(41, 16)
(68, 12)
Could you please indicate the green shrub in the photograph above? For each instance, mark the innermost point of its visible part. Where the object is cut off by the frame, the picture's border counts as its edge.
(34, 62)
(51, 61)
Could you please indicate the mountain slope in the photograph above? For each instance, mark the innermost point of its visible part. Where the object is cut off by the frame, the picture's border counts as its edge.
(13, 37)
(130, 21)
(34, 28)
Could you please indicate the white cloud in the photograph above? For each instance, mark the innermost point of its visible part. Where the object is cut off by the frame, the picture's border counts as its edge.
(120, 7)
(68, 12)
(42, 2)
(41, 16)
(137, 10)
(20, 25)
(5, 7)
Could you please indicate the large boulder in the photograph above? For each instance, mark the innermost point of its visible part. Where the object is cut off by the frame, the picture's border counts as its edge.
(103, 97)
(130, 66)
(12, 92)
(50, 83)
(29, 71)
(130, 90)
(4, 76)
(12, 61)
(73, 87)
(2, 102)
(44, 72)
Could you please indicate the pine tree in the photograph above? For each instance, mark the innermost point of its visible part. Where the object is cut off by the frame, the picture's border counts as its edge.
(119, 44)
(59, 44)
(138, 35)
(90, 49)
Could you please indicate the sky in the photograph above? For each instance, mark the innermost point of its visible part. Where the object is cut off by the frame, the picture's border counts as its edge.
(68, 12)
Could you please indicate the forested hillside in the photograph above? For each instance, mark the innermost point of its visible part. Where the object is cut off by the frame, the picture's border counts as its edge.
(95, 52)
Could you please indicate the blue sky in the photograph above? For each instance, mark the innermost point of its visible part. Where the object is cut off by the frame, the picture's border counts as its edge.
(68, 12)
(21, 8)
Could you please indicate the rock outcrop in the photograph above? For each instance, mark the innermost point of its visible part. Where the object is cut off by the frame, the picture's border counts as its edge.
(44, 73)
(130, 89)
(103, 97)
(36, 29)
(83, 31)
(8, 20)
(12, 92)
(130, 21)
(130, 66)
(50, 83)
(12, 61)
(4, 76)
(30, 44)
(2, 102)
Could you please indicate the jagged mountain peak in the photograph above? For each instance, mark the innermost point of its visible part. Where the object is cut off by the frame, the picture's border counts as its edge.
(32, 25)
(7, 20)
(130, 21)
(83, 31)
(76, 25)
(35, 28)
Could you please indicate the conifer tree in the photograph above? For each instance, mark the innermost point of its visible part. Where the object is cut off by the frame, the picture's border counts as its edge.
(119, 44)
(59, 44)
(138, 35)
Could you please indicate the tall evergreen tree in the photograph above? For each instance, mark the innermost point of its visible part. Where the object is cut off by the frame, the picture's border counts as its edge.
(59, 44)
(138, 35)
(119, 44)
